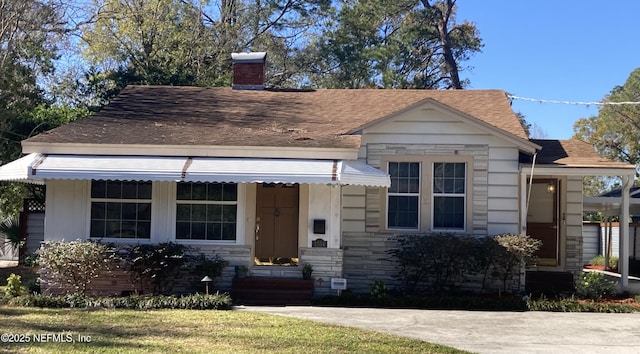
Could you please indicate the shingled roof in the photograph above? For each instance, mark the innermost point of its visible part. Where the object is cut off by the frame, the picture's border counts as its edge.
(571, 153)
(173, 115)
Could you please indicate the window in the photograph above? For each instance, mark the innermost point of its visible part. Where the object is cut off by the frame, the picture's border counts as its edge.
(449, 194)
(403, 195)
(120, 209)
(206, 211)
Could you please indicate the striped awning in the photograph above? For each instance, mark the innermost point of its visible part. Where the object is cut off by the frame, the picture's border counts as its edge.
(36, 168)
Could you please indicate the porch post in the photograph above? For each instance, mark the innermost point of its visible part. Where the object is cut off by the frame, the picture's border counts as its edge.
(523, 202)
(623, 259)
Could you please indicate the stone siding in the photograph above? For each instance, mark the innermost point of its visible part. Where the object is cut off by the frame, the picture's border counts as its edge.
(327, 263)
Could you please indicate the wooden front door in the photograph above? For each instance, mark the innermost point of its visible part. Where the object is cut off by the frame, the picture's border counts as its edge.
(277, 221)
(542, 220)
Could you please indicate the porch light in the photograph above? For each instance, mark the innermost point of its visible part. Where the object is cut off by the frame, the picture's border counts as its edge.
(206, 280)
(551, 187)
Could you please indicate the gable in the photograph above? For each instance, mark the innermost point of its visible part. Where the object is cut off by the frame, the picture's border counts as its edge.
(434, 123)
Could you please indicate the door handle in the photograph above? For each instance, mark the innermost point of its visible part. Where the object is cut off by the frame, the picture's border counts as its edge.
(257, 231)
(277, 212)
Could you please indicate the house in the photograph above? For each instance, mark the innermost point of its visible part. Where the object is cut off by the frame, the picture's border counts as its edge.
(265, 177)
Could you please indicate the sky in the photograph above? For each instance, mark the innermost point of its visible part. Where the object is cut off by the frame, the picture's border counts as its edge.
(563, 50)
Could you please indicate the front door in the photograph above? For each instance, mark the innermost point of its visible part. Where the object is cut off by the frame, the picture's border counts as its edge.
(277, 223)
(542, 220)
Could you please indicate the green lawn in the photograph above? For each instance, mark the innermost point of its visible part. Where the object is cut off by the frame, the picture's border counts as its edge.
(192, 331)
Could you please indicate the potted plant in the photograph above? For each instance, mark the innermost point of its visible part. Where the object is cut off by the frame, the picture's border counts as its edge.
(307, 269)
(241, 271)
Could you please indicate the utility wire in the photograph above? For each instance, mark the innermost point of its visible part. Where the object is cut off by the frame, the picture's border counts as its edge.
(579, 103)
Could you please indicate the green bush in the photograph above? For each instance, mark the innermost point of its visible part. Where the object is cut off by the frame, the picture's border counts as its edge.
(76, 263)
(160, 263)
(14, 286)
(574, 305)
(378, 290)
(171, 267)
(594, 285)
(599, 261)
(432, 262)
(443, 261)
(515, 251)
(218, 301)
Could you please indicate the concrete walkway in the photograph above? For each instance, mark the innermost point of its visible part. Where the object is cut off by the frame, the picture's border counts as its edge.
(487, 332)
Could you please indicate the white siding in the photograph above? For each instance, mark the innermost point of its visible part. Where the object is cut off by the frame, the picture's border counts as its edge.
(433, 133)
(67, 212)
(35, 231)
(572, 219)
(324, 204)
(590, 241)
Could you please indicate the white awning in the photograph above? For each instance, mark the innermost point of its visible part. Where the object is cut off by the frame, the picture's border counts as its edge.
(18, 170)
(39, 167)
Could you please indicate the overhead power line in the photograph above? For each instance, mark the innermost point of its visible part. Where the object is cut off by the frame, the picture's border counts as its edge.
(579, 103)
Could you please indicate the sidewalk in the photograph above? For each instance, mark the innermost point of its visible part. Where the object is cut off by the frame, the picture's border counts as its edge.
(487, 332)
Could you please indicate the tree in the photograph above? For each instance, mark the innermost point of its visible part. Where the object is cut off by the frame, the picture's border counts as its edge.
(184, 42)
(615, 131)
(402, 44)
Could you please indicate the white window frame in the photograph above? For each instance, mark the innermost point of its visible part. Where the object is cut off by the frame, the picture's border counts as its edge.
(408, 194)
(449, 195)
(120, 200)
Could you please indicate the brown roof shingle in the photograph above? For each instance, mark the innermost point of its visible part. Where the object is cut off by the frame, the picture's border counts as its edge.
(173, 115)
(572, 153)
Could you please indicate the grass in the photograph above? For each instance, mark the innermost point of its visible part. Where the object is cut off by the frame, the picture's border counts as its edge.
(192, 331)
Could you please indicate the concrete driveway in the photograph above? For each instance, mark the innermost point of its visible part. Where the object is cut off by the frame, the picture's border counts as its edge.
(487, 332)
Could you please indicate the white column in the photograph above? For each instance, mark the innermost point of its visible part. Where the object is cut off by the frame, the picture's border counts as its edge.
(524, 194)
(623, 259)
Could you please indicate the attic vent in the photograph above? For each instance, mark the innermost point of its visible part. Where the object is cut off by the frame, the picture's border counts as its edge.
(248, 70)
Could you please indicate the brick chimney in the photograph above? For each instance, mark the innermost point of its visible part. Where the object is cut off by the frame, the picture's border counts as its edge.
(248, 70)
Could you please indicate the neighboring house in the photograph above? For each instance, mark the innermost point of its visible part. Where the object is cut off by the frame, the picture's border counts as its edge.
(319, 176)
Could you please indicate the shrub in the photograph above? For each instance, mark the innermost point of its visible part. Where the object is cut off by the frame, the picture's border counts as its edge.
(594, 285)
(75, 263)
(434, 262)
(378, 290)
(160, 263)
(443, 261)
(574, 305)
(516, 251)
(31, 260)
(218, 301)
(14, 286)
(599, 261)
(202, 265)
(170, 266)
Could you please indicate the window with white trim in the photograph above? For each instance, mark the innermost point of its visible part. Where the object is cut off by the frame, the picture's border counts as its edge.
(206, 211)
(120, 209)
(403, 196)
(449, 195)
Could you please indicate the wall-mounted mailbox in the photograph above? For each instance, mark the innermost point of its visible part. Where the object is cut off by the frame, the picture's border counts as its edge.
(319, 226)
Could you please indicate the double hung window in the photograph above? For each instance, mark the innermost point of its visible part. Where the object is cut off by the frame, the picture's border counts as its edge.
(403, 203)
(449, 187)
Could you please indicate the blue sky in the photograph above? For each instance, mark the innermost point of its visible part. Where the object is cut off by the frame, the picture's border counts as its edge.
(566, 50)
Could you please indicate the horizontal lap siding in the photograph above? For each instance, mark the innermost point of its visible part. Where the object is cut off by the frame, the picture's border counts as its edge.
(573, 220)
(426, 133)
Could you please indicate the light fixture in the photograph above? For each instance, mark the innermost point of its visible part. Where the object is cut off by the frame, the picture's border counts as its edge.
(551, 187)
(206, 280)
